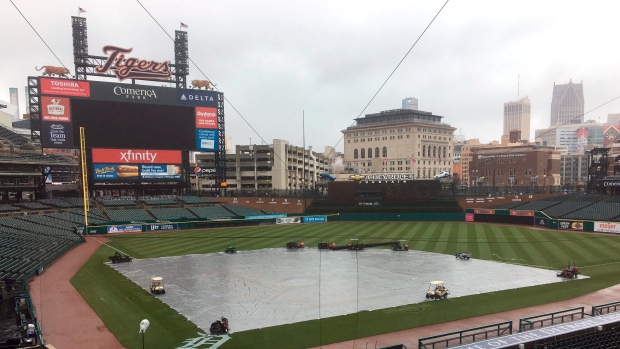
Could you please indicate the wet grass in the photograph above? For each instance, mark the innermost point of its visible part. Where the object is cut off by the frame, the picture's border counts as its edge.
(122, 304)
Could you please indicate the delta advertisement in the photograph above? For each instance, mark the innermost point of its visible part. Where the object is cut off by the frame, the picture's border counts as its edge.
(570, 225)
(606, 227)
(116, 172)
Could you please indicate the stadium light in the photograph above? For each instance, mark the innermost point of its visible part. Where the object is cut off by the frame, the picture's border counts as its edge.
(144, 325)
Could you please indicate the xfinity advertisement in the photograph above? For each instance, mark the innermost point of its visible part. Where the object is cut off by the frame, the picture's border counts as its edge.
(136, 173)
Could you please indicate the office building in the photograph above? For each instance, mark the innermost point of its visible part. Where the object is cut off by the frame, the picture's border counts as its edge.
(517, 117)
(399, 141)
(567, 104)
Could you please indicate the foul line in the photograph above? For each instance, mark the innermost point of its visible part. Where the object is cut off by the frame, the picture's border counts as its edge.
(105, 243)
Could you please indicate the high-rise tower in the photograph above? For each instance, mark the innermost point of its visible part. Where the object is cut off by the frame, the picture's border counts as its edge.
(567, 104)
(517, 117)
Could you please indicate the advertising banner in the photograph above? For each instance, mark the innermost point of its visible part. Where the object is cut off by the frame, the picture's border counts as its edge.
(197, 98)
(130, 93)
(266, 216)
(206, 117)
(288, 220)
(61, 87)
(483, 211)
(205, 170)
(118, 172)
(521, 213)
(55, 109)
(469, 217)
(582, 140)
(168, 226)
(606, 227)
(136, 156)
(206, 139)
(56, 134)
(315, 219)
(611, 135)
(541, 222)
(124, 229)
(570, 225)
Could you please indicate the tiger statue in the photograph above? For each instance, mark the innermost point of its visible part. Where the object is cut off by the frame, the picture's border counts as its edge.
(50, 71)
(208, 85)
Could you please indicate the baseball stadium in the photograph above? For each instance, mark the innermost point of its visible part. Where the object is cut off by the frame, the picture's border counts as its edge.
(125, 252)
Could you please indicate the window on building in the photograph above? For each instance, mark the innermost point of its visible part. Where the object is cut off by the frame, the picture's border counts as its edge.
(363, 153)
(355, 155)
(423, 150)
(369, 153)
(377, 152)
(385, 152)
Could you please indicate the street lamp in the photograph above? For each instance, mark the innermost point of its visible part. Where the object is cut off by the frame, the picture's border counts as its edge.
(144, 325)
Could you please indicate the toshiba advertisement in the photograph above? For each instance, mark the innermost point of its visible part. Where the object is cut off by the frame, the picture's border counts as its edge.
(60, 87)
(136, 165)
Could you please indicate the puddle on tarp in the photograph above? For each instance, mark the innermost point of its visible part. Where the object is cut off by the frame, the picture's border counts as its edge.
(270, 287)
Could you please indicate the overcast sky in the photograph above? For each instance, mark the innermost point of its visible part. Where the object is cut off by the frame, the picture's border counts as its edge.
(275, 60)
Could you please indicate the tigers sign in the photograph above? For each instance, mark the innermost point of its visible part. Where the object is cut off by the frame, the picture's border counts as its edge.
(131, 67)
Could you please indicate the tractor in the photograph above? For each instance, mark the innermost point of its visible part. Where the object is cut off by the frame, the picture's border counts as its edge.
(570, 272)
(231, 249)
(119, 258)
(437, 290)
(219, 326)
(463, 255)
(157, 285)
(295, 245)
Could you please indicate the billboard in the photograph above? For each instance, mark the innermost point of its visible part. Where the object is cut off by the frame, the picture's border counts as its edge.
(63, 87)
(611, 135)
(136, 173)
(570, 225)
(607, 227)
(136, 156)
(582, 140)
(136, 165)
(115, 115)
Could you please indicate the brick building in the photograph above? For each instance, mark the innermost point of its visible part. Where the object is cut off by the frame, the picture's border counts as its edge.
(528, 167)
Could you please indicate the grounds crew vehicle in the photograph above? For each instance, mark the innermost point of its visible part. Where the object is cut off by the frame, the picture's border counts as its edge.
(157, 285)
(437, 290)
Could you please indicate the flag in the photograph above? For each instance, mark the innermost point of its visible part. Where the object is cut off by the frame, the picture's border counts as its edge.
(81, 10)
(183, 25)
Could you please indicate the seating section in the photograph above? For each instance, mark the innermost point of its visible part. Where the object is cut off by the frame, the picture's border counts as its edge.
(212, 212)
(33, 241)
(76, 215)
(191, 200)
(120, 201)
(508, 206)
(8, 208)
(591, 339)
(158, 200)
(129, 215)
(602, 211)
(56, 203)
(539, 205)
(574, 204)
(33, 206)
(243, 211)
(171, 213)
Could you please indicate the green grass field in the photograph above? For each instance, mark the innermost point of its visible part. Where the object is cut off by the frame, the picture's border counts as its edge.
(121, 304)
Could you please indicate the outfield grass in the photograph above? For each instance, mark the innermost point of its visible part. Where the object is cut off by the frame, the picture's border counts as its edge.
(121, 304)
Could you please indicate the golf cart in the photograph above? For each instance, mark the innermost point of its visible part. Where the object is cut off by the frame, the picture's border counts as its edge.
(219, 326)
(437, 290)
(231, 249)
(157, 285)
